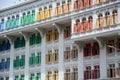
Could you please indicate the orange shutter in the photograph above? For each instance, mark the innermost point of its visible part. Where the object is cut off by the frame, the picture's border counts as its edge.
(75, 28)
(90, 24)
(97, 23)
(59, 9)
(80, 27)
(80, 4)
(65, 8)
(97, 1)
(50, 12)
(103, 22)
(55, 12)
(86, 25)
(110, 20)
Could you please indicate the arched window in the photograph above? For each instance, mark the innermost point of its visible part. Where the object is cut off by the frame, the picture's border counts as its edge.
(83, 23)
(115, 16)
(107, 17)
(90, 22)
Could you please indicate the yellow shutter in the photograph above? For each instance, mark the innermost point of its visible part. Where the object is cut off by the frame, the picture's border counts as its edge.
(50, 12)
(46, 13)
(111, 20)
(37, 17)
(97, 1)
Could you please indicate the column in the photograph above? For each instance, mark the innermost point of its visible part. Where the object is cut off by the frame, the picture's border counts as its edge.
(72, 25)
(72, 4)
(53, 7)
(61, 54)
(118, 15)
(43, 51)
(80, 61)
(103, 66)
(27, 59)
(94, 19)
(11, 75)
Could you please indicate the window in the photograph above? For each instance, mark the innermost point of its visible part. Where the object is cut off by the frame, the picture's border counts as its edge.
(49, 36)
(67, 74)
(55, 75)
(96, 72)
(55, 34)
(87, 73)
(49, 76)
(67, 53)
(74, 53)
(74, 75)
(87, 50)
(49, 57)
(78, 26)
(118, 45)
(95, 49)
(55, 55)
(111, 71)
(110, 46)
(67, 32)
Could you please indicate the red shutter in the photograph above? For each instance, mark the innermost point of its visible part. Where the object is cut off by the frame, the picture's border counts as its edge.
(86, 3)
(64, 76)
(80, 5)
(84, 75)
(75, 5)
(75, 28)
(93, 74)
(86, 25)
(79, 27)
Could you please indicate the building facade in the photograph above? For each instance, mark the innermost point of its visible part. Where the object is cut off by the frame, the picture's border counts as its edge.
(60, 40)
